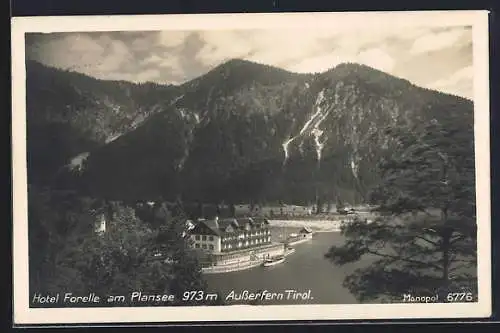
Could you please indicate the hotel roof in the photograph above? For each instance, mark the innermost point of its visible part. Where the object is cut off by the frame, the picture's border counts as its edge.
(306, 230)
(220, 226)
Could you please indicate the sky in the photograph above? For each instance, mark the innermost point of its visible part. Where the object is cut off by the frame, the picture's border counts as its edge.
(435, 58)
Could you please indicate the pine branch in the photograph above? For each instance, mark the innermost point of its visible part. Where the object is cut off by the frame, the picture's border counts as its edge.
(398, 258)
(427, 240)
(456, 239)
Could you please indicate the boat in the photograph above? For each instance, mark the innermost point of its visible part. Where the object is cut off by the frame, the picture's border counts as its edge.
(273, 261)
(289, 251)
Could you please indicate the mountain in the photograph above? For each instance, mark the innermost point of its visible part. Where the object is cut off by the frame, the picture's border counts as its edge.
(242, 132)
(70, 114)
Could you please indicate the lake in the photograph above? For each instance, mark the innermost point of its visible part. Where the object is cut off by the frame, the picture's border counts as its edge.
(306, 269)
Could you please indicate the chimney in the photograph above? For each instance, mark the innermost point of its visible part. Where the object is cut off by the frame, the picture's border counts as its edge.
(216, 220)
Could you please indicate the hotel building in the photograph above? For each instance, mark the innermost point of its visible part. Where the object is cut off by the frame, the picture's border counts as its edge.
(227, 235)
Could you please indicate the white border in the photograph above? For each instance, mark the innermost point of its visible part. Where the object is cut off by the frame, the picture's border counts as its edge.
(24, 315)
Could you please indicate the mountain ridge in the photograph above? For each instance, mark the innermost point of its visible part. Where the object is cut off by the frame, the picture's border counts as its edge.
(231, 126)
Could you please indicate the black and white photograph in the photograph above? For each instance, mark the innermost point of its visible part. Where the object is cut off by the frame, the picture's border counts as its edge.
(251, 167)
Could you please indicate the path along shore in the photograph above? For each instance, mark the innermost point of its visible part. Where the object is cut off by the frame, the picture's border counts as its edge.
(315, 225)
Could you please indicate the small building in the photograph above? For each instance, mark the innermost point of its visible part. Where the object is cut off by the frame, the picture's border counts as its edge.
(246, 209)
(306, 232)
(189, 225)
(285, 210)
(100, 224)
(226, 235)
(346, 211)
(271, 211)
(295, 210)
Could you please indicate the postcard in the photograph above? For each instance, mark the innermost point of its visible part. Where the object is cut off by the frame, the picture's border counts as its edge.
(251, 167)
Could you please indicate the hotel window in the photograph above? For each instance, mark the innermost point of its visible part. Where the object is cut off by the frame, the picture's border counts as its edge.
(268, 239)
(197, 245)
(211, 238)
(204, 246)
(211, 247)
(197, 237)
(204, 238)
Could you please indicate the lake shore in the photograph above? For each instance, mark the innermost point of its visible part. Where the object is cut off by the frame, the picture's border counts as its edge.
(326, 284)
(315, 225)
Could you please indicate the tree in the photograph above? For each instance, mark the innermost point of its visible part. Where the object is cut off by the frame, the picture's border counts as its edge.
(57, 222)
(232, 210)
(66, 254)
(424, 240)
(174, 244)
(119, 260)
(328, 206)
(200, 213)
(319, 203)
(340, 205)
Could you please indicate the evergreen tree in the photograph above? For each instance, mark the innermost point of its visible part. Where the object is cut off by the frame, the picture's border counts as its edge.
(232, 210)
(66, 254)
(55, 225)
(185, 268)
(200, 211)
(118, 261)
(424, 240)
